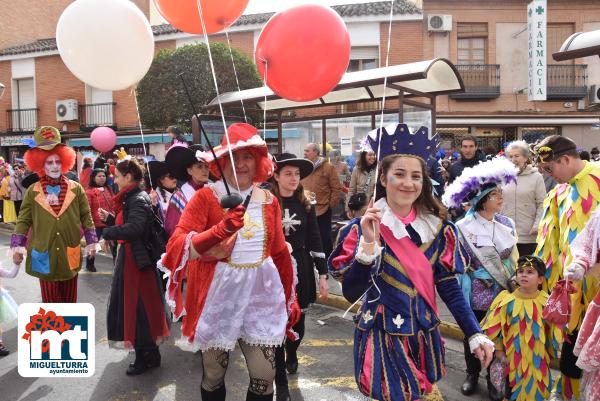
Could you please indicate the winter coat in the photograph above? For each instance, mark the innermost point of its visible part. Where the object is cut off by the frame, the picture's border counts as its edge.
(457, 168)
(99, 199)
(15, 188)
(325, 183)
(523, 203)
(136, 207)
(358, 183)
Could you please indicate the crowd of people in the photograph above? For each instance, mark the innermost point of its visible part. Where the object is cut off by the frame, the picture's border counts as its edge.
(237, 244)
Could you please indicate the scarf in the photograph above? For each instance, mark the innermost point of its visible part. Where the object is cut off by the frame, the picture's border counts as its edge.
(119, 197)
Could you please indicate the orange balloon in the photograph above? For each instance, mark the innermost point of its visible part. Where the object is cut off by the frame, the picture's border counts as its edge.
(218, 14)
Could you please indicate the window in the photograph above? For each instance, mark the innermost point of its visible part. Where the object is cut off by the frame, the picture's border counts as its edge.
(472, 43)
(363, 58)
(556, 34)
(98, 107)
(24, 113)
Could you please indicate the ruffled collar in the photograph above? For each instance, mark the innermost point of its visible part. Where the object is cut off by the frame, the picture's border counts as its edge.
(426, 225)
(482, 232)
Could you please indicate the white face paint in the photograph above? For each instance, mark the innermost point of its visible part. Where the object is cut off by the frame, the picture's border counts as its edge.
(53, 167)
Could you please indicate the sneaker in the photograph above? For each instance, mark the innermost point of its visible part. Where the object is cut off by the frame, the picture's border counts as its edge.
(3, 350)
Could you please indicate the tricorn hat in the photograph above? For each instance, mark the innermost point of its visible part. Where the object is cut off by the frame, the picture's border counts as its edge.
(179, 158)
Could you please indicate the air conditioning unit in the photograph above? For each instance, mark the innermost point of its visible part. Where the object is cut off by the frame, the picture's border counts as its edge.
(595, 94)
(66, 110)
(439, 23)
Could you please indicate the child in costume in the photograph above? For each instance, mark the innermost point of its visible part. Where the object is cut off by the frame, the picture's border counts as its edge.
(302, 233)
(8, 307)
(403, 249)
(490, 240)
(567, 209)
(55, 208)
(183, 164)
(524, 341)
(240, 280)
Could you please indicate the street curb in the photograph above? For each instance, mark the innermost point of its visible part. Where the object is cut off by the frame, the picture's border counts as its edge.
(447, 329)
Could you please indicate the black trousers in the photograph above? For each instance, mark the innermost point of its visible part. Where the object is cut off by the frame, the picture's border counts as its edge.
(324, 222)
(18, 206)
(473, 364)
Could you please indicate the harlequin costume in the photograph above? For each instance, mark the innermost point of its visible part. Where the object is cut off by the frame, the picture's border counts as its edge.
(398, 348)
(178, 159)
(567, 209)
(515, 324)
(241, 288)
(55, 209)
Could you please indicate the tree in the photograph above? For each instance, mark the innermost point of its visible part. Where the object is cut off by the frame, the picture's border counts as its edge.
(161, 97)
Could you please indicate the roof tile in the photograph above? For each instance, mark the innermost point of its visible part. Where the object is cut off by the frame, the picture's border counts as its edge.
(346, 10)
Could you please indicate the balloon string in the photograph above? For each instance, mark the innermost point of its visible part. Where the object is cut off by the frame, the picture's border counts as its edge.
(236, 75)
(214, 76)
(265, 106)
(387, 61)
(137, 110)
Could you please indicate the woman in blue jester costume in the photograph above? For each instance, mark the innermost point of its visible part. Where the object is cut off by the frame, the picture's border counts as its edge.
(394, 259)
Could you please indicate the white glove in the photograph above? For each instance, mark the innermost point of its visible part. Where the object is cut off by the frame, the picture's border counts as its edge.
(575, 272)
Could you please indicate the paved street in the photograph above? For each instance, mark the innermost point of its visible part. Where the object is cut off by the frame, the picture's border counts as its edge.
(325, 372)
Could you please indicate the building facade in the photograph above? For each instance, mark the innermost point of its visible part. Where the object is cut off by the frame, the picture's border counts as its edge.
(488, 42)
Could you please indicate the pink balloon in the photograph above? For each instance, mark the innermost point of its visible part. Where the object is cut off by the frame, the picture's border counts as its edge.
(103, 139)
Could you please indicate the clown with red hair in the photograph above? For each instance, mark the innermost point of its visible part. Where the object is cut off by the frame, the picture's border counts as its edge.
(54, 208)
(240, 280)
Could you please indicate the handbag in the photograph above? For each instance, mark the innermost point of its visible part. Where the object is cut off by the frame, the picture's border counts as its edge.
(558, 307)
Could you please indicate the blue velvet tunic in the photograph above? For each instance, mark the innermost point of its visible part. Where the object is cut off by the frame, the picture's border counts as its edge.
(398, 350)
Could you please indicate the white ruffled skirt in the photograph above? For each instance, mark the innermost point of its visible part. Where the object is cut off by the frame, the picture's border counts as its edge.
(246, 303)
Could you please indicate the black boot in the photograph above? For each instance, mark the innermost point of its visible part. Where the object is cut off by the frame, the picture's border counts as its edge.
(291, 358)
(493, 393)
(470, 384)
(281, 382)
(89, 264)
(216, 395)
(283, 393)
(3, 350)
(250, 396)
(144, 360)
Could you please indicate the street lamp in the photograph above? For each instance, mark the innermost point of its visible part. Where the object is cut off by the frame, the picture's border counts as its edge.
(580, 44)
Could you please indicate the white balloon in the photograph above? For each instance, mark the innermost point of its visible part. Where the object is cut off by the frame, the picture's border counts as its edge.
(108, 44)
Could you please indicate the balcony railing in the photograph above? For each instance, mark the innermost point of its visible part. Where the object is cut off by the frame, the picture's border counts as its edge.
(95, 115)
(566, 82)
(21, 120)
(482, 81)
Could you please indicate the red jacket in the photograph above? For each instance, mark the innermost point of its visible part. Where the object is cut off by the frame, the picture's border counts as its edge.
(99, 199)
(202, 212)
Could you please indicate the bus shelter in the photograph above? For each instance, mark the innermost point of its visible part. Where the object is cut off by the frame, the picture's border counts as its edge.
(341, 118)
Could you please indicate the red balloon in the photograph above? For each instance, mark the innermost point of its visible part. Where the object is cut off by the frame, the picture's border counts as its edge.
(304, 52)
(218, 14)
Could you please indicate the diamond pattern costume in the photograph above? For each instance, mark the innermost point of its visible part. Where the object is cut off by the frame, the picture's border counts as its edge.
(515, 324)
(567, 209)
